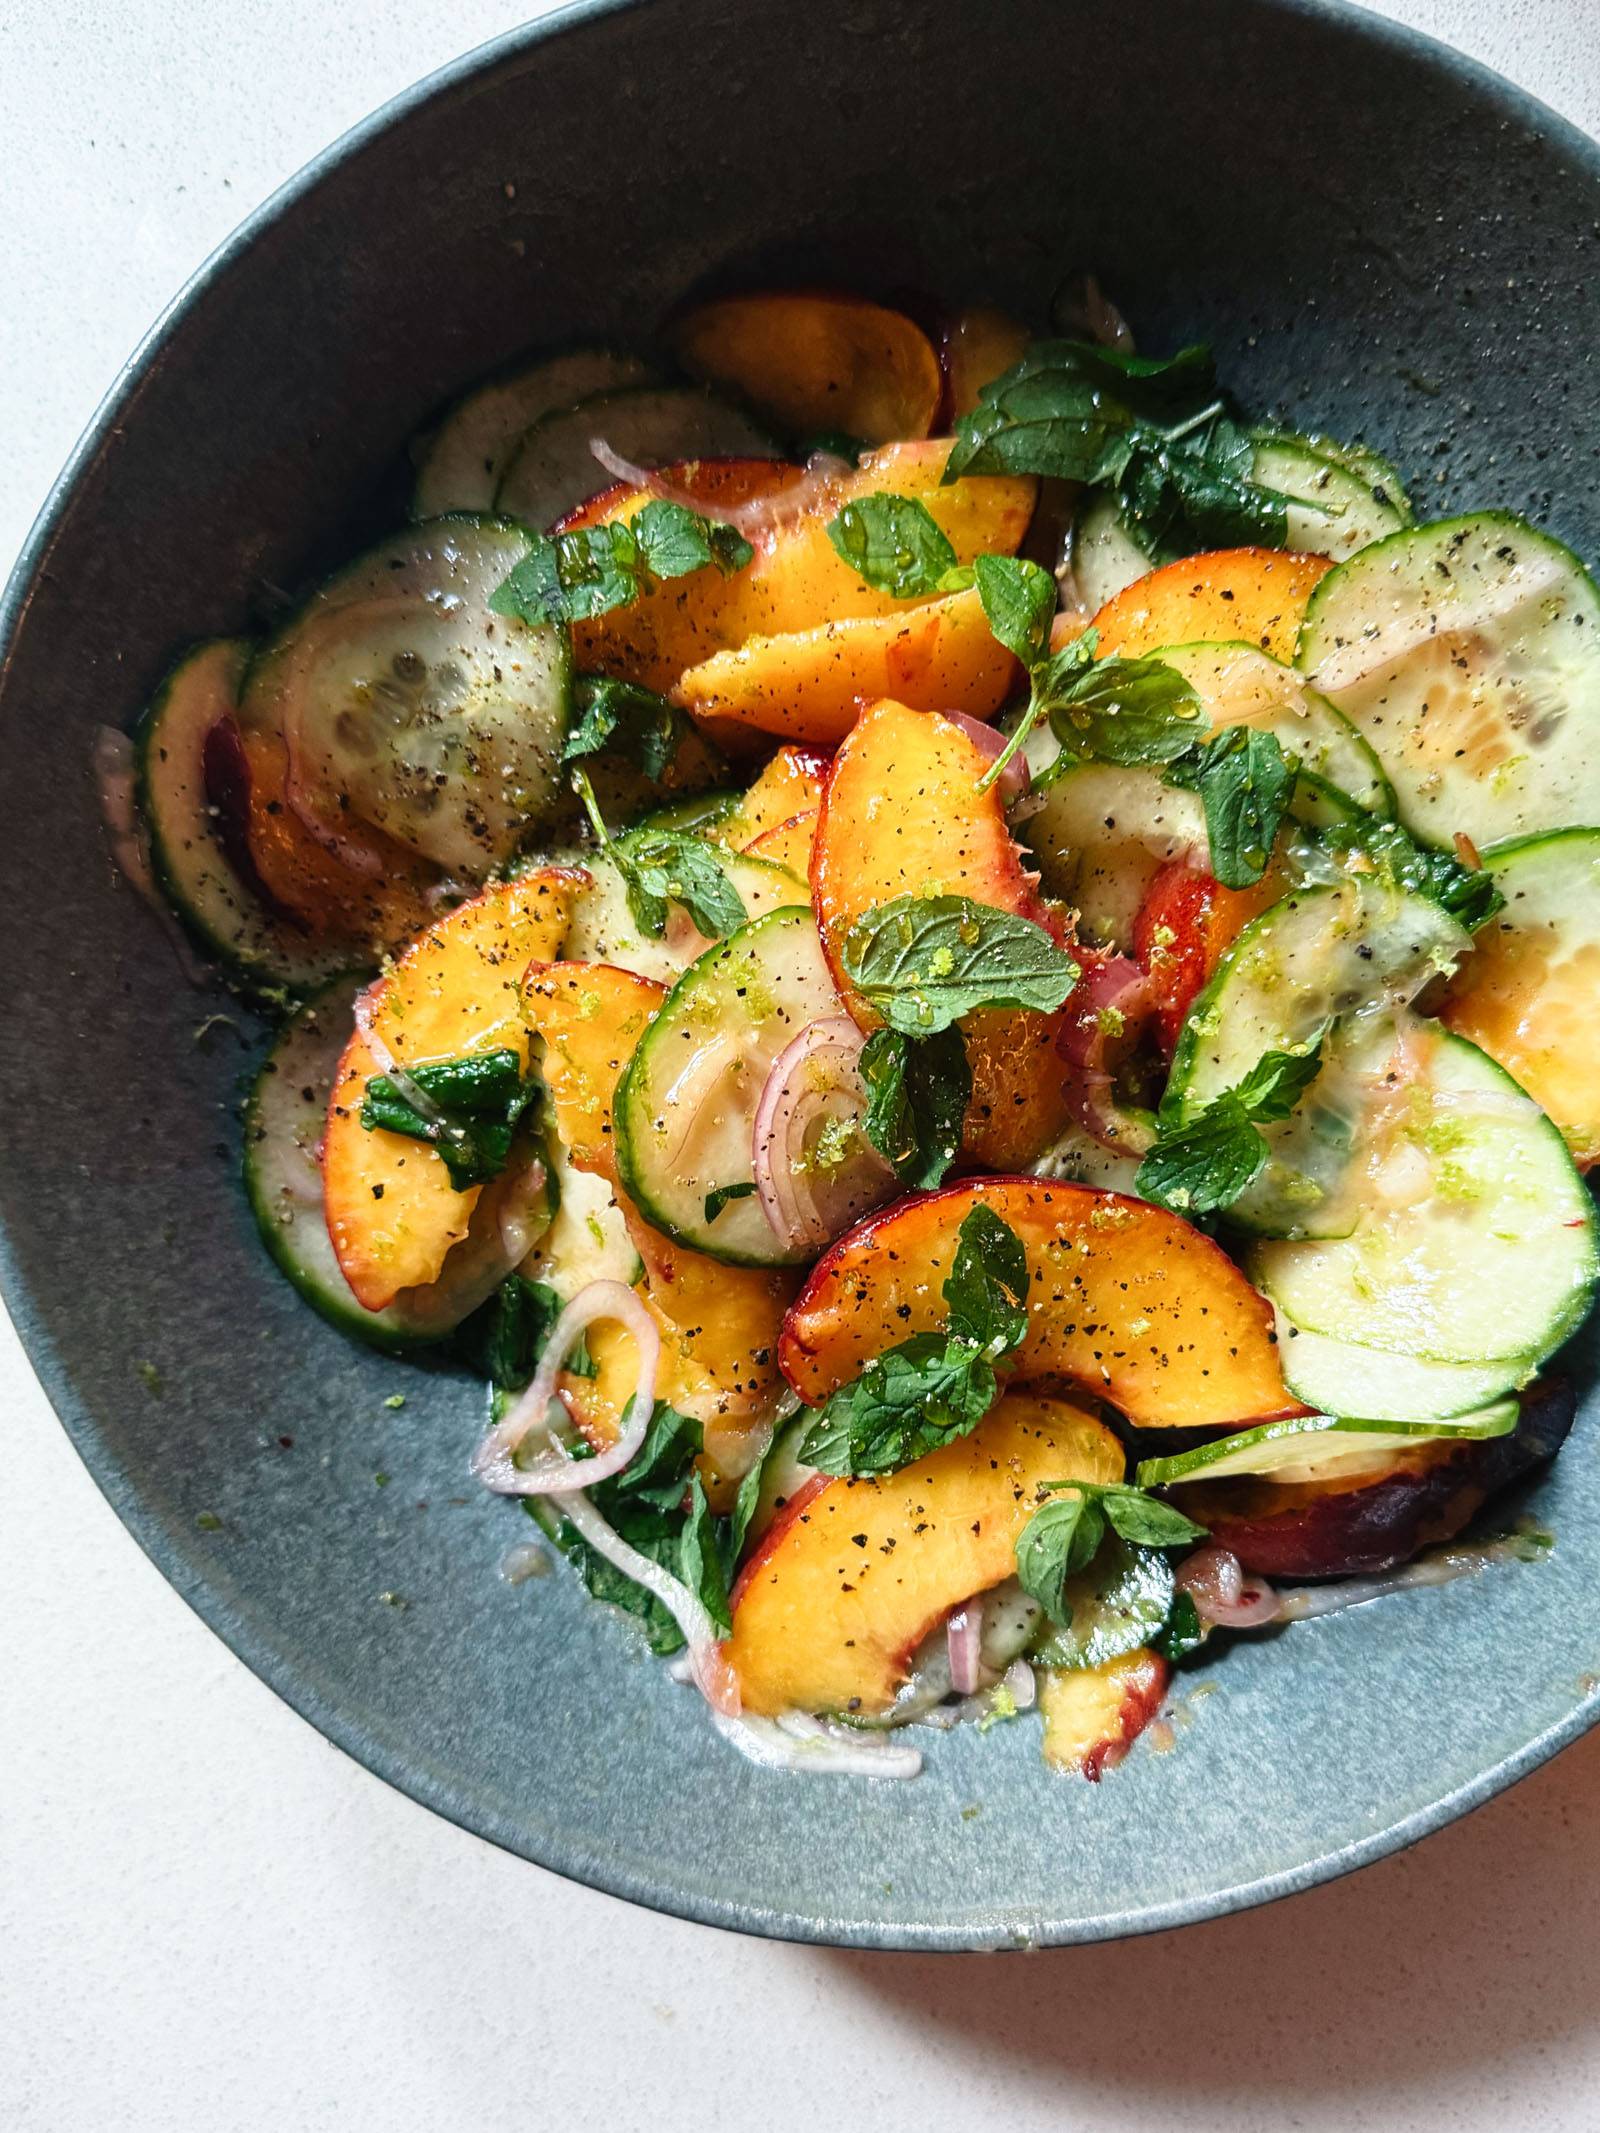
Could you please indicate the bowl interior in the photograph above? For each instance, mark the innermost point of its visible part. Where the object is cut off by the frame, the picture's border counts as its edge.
(1377, 238)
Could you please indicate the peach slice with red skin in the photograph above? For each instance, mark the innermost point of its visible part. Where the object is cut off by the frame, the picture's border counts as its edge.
(903, 816)
(1229, 595)
(1125, 1300)
(790, 845)
(785, 787)
(1185, 926)
(853, 1574)
(977, 346)
(1094, 1714)
(393, 1214)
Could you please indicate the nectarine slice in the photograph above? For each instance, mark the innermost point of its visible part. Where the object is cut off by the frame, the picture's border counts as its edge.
(786, 787)
(816, 362)
(810, 685)
(1125, 1299)
(1234, 595)
(790, 844)
(393, 1213)
(903, 816)
(1093, 1714)
(853, 1574)
(977, 346)
(1185, 926)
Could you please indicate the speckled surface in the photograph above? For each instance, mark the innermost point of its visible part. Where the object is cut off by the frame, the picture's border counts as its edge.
(872, 2002)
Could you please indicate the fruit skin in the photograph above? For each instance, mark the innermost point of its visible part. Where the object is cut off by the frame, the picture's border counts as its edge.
(818, 361)
(977, 345)
(1325, 1530)
(787, 786)
(1094, 1714)
(1248, 595)
(811, 685)
(791, 844)
(1126, 1300)
(1185, 926)
(852, 1575)
(902, 815)
(393, 1214)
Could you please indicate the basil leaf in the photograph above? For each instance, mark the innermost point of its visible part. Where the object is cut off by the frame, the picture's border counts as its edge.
(1244, 780)
(1469, 894)
(478, 1101)
(700, 1563)
(897, 545)
(624, 716)
(918, 1090)
(1058, 1541)
(904, 1404)
(719, 1196)
(1019, 602)
(922, 962)
(1183, 1631)
(1127, 711)
(986, 1288)
(1145, 1519)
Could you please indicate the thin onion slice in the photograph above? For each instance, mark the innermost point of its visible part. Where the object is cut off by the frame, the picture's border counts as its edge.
(711, 1673)
(558, 1473)
(1016, 778)
(814, 1081)
(797, 1741)
(964, 1641)
(760, 516)
(1111, 1004)
(1223, 1597)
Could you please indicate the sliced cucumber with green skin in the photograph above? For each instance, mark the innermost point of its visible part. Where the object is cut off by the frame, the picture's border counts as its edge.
(1341, 1377)
(1101, 834)
(188, 858)
(1476, 1240)
(1333, 510)
(1313, 1448)
(1367, 465)
(283, 1125)
(554, 470)
(461, 463)
(1468, 654)
(407, 703)
(1106, 559)
(701, 811)
(783, 1475)
(1240, 685)
(603, 929)
(1079, 1159)
(685, 1107)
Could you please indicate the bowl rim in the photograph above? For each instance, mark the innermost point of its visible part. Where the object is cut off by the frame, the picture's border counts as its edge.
(160, 1539)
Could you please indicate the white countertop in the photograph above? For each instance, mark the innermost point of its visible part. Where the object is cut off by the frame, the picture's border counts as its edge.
(212, 1922)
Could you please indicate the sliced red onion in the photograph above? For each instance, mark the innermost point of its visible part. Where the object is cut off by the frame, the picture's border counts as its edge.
(711, 1673)
(759, 516)
(387, 1064)
(815, 1079)
(797, 1741)
(964, 1637)
(1222, 1595)
(558, 1474)
(1019, 1679)
(1106, 1016)
(1016, 778)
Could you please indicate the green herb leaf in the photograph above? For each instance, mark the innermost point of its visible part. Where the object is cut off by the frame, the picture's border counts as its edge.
(672, 866)
(897, 545)
(1127, 711)
(749, 1493)
(660, 1469)
(904, 1404)
(622, 716)
(719, 1196)
(1019, 601)
(1057, 1542)
(1278, 1080)
(1183, 1631)
(700, 1563)
(923, 962)
(1468, 893)
(1116, 1603)
(504, 1338)
(1145, 1519)
(986, 1288)
(1204, 1166)
(573, 577)
(477, 1101)
(918, 1090)
(1245, 781)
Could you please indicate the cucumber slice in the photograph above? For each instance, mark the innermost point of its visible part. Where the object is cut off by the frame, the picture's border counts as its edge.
(1313, 1448)
(1240, 685)
(461, 463)
(1106, 559)
(1475, 1242)
(407, 702)
(554, 470)
(1334, 511)
(1342, 1377)
(1369, 467)
(1468, 653)
(1100, 835)
(283, 1125)
(701, 811)
(222, 910)
(685, 1108)
(603, 928)
(1529, 994)
(1079, 1159)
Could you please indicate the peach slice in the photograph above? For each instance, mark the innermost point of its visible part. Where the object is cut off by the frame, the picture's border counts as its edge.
(1126, 1300)
(852, 1575)
(719, 1324)
(393, 1214)
(817, 362)
(1185, 926)
(1094, 1714)
(977, 346)
(791, 844)
(1242, 595)
(790, 784)
(810, 685)
(903, 816)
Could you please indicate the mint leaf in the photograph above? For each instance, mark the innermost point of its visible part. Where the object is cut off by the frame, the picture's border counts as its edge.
(476, 1102)
(1058, 1541)
(1019, 602)
(660, 1469)
(905, 1404)
(1119, 1601)
(672, 866)
(1278, 1080)
(1468, 893)
(1129, 1596)
(1127, 711)
(700, 1563)
(923, 962)
(1145, 1519)
(1244, 780)
(1203, 1166)
(719, 1196)
(623, 716)
(749, 1494)
(576, 576)
(1183, 1631)
(505, 1337)
(918, 1089)
(673, 541)
(897, 545)
(986, 1288)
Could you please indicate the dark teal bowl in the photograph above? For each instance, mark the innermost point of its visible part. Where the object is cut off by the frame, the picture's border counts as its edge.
(1378, 236)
